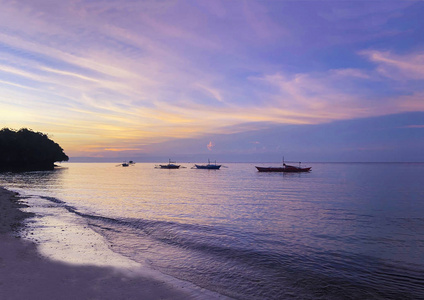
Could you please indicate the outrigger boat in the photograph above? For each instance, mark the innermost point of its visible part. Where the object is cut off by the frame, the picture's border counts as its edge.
(170, 165)
(284, 168)
(209, 166)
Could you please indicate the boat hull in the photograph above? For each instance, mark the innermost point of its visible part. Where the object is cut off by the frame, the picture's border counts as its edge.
(169, 166)
(208, 167)
(283, 169)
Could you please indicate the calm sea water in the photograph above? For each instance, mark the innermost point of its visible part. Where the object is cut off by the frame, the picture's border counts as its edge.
(342, 231)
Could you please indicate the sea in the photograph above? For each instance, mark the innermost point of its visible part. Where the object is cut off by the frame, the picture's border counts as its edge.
(341, 231)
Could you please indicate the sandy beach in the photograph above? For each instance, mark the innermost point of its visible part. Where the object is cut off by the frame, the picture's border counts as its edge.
(27, 274)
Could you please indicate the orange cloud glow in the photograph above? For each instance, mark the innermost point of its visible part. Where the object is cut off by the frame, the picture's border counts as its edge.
(210, 146)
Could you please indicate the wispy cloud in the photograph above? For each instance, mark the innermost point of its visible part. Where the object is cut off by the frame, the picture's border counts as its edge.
(398, 67)
(210, 146)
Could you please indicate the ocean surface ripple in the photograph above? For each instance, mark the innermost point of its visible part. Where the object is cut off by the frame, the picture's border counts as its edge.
(351, 231)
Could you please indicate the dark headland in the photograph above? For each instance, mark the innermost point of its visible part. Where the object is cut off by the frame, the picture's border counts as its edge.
(26, 150)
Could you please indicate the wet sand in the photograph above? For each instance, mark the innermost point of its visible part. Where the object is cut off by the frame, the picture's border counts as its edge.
(26, 274)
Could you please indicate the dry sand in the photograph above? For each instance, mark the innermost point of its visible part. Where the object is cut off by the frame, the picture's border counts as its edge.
(26, 274)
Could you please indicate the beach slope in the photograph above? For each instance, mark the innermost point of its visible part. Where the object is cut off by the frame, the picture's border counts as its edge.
(25, 274)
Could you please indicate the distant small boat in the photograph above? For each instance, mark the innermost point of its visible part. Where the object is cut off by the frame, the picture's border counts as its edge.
(131, 162)
(284, 168)
(170, 165)
(209, 166)
(125, 164)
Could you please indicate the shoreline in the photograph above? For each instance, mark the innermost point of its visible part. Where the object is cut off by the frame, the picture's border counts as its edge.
(27, 274)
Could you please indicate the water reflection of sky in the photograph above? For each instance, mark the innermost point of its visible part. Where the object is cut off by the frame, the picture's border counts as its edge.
(373, 209)
(35, 180)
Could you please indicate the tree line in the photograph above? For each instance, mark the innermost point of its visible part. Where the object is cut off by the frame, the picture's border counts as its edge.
(25, 149)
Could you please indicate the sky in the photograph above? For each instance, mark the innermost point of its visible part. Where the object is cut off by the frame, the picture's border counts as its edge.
(229, 80)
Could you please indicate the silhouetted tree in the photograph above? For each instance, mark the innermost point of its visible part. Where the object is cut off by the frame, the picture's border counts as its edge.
(28, 150)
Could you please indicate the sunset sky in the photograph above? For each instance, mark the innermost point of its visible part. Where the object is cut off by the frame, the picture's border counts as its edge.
(229, 80)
